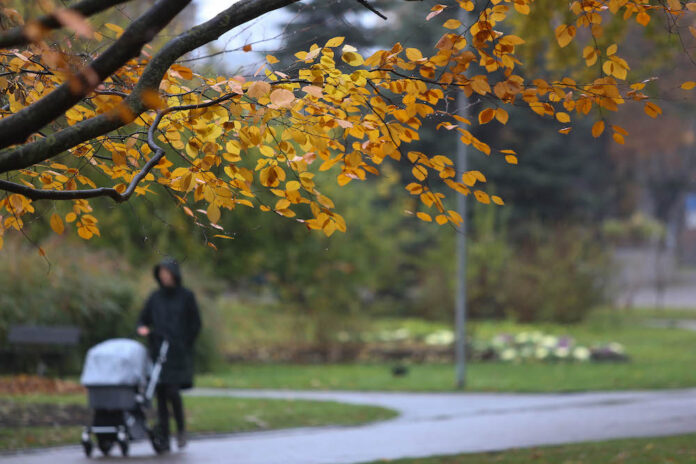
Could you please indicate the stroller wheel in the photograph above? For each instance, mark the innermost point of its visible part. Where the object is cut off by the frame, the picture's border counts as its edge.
(86, 442)
(105, 443)
(87, 447)
(158, 442)
(123, 444)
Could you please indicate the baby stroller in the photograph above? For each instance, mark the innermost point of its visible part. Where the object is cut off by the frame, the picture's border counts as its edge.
(120, 381)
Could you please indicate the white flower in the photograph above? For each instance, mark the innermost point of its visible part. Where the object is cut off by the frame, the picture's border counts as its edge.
(581, 353)
(549, 341)
(441, 337)
(616, 348)
(522, 337)
(561, 352)
(508, 354)
(542, 353)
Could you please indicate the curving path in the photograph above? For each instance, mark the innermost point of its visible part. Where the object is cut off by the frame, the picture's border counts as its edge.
(429, 424)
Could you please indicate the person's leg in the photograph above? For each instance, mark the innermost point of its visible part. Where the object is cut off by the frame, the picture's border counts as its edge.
(174, 395)
(177, 407)
(163, 411)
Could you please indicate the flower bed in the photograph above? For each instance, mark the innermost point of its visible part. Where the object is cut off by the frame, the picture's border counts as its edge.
(538, 346)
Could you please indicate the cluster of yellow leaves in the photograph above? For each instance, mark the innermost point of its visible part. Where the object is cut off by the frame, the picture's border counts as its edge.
(591, 15)
(265, 144)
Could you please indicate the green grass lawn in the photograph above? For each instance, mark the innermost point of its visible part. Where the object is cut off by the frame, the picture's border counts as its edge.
(672, 450)
(206, 415)
(660, 358)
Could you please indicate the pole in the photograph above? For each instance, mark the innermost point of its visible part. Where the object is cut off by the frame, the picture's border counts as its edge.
(460, 300)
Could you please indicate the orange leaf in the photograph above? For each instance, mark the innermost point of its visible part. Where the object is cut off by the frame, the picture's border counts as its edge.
(564, 35)
(452, 24)
(486, 116)
(643, 18)
(563, 117)
(258, 89)
(282, 97)
(57, 224)
(652, 110)
(597, 129)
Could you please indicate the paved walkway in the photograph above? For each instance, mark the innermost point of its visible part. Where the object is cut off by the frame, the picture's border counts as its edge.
(429, 424)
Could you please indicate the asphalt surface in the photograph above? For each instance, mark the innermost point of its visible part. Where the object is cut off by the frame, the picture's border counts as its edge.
(429, 424)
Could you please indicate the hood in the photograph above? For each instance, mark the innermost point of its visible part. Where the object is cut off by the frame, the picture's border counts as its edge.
(172, 265)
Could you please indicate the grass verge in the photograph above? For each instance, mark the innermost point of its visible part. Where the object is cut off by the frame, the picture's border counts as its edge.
(204, 415)
(673, 450)
(659, 359)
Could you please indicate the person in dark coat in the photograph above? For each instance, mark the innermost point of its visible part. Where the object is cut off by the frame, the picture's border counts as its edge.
(171, 311)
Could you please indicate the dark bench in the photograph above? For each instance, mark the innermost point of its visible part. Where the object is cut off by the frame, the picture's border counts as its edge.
(44, 343)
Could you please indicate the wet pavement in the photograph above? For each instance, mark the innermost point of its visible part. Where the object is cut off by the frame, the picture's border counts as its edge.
(429, 424)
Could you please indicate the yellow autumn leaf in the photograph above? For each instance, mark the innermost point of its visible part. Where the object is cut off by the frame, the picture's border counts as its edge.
(352, 58)
(84, 232)
(115, 28)
(652, 110)
(501, 115)
(452, 24)
(564, 35)
(334, 42)
(482, 197)
(597, 129)
(414, 54)
(424, 216)
(57, 224)
(213, 213)
(419, 172)
(563, 117)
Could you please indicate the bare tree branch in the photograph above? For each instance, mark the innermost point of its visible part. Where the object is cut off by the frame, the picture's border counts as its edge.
(42, 194)
(16, 36)
(17, 127)
(372, 9)
(239, 13)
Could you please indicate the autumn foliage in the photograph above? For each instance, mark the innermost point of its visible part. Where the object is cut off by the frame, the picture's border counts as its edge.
(260, 141)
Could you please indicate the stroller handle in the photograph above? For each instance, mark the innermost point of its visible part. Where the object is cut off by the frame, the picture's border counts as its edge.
(159, 361)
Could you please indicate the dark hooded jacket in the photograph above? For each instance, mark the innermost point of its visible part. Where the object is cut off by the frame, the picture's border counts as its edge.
(172, 312)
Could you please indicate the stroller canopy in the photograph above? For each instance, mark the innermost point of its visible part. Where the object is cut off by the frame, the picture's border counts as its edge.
(119, 361)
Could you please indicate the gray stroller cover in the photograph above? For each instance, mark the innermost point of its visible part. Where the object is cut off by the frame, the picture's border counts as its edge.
(119, 361)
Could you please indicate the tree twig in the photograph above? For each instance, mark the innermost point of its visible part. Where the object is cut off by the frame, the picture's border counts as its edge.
(372, 9)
